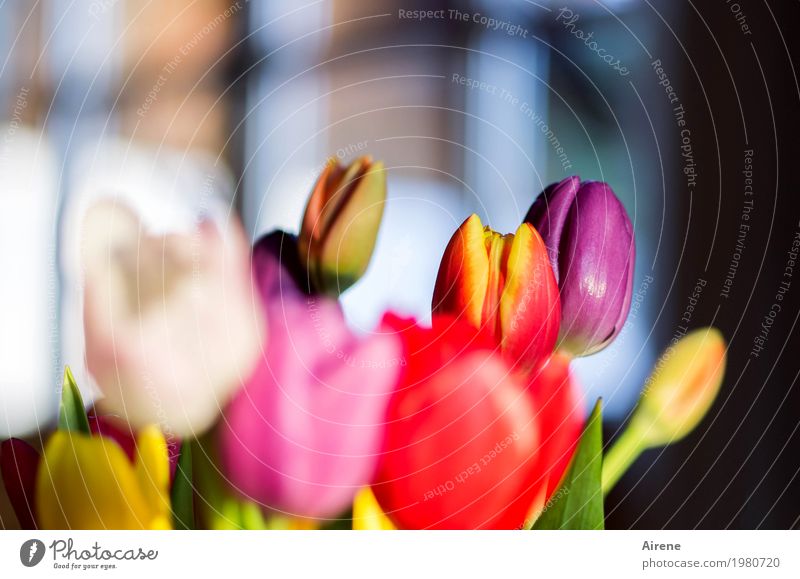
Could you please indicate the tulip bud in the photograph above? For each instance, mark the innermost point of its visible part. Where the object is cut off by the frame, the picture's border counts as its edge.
(682, 387)
(341, 223)
(590, 242)
(502, 284)
(676, 397)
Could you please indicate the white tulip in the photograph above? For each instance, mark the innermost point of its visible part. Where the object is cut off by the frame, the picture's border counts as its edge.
(172, 323)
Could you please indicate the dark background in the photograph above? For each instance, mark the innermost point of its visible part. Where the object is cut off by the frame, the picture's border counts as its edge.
(740, 468)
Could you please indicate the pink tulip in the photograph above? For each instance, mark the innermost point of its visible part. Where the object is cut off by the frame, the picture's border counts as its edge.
(305, 433)
(172, 322)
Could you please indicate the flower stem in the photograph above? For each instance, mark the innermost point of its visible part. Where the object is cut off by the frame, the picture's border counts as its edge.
(624, 452)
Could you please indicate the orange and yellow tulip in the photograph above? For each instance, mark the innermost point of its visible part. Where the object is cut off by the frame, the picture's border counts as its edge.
(504, 285)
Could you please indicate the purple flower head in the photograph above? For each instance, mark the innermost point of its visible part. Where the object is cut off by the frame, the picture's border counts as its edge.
(590, 242)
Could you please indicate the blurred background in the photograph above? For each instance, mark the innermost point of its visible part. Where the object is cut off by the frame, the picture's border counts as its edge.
(475, 106)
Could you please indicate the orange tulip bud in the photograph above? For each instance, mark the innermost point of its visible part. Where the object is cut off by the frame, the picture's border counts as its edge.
(341, 223)
(504, 285)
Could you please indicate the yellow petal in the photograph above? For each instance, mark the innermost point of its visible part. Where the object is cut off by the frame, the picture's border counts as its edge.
(88, 482)
(152, 473)
(530, 312)
(464, 273)
(498, 248)
(521, 271)
(367, 513)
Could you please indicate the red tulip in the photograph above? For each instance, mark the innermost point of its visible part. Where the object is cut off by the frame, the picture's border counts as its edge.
(503, 284)
(470, 443)
(560, 410)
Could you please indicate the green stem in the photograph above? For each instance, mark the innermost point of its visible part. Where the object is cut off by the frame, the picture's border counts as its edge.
(182, 493)
(624, 452)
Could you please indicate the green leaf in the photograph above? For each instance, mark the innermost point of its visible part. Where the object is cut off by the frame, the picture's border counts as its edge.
(182, 494)
(220, 510)
(72, 414)
(578, 501)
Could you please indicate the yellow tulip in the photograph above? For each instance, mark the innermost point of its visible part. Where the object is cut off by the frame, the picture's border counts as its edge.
(88, 482)
(367, 513)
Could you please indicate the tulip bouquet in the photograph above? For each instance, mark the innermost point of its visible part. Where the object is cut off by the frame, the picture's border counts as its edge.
(234, 394)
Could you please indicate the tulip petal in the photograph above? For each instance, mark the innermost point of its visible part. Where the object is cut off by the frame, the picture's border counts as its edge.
(463, 276)
(549, 213)
(303, 436)
(677, 395)
(367, 513)
(590, 241)
(560, 409)
(596, 267)
(341, 222)
(171, 324)
(529, 309)
(277, 267)
(462, 439)
(338, 187)
(88, 483)
(440, 469)
(111, 427)
(350, 236)
(152, 468)
(312, 226)
(498, 248)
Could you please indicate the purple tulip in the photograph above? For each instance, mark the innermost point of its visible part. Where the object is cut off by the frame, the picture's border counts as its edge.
(589, 239)
(304, 434)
